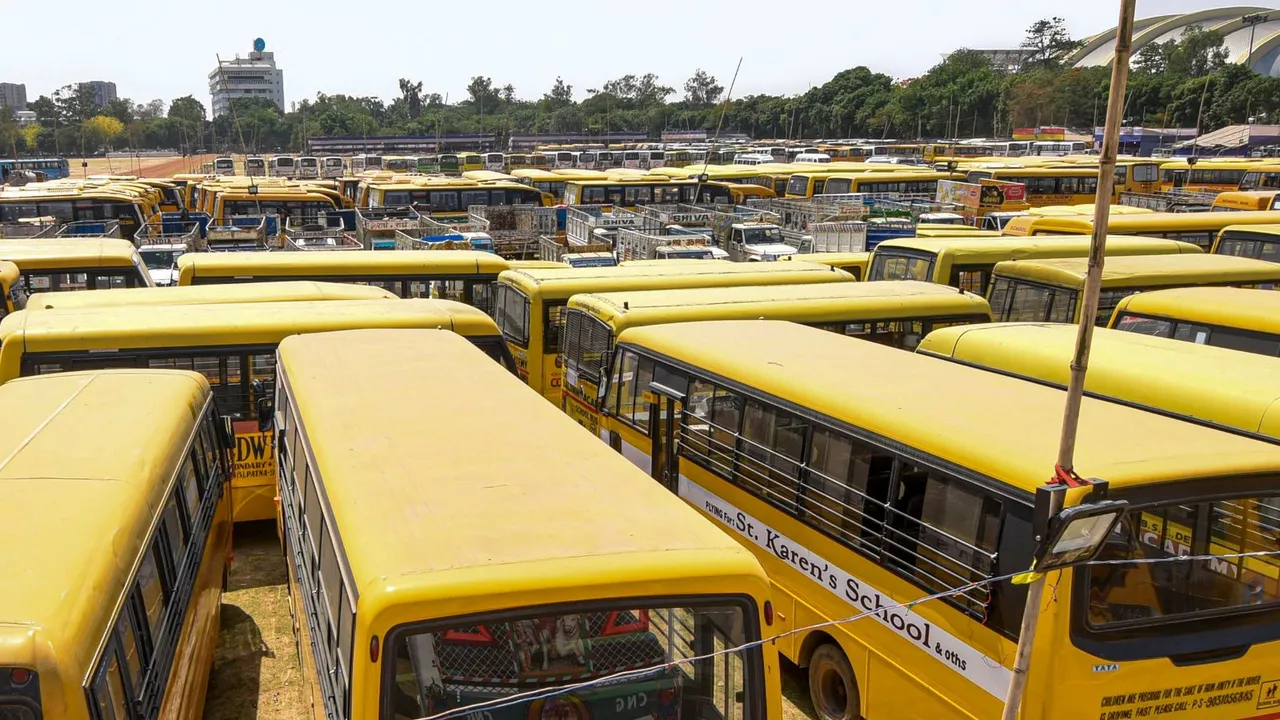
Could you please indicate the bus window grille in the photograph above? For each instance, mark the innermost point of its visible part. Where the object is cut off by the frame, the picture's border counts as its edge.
(929, 556)
(491, 663)
(586, 340)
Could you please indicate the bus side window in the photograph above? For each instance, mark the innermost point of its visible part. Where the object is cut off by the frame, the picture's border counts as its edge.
(771, 453)
(846, 487)
(943, 533)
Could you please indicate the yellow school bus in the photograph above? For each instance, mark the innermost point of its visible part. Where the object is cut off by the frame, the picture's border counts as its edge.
(295, 291)
(1200, 228)
(632, 193)
(1208, 174)
(530, 304)
(1261, 242)
(912, 182)
(966, 262)
(1052, 289)
(1152, 373)
(14, 292)
(71, 265)
(114, 489)
(854, 263)
(898, 314)
(1247, 200)
(232, 345)
(509, 597)
(1235, 318)
(873, 497)
(462, 275)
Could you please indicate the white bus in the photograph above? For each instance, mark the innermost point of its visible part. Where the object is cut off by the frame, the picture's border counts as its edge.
(285, 166)
(224, 166)
(495, 161)
(360, 163)
(1057, 148)
(254, 165)
(308, 167)
(331, 166)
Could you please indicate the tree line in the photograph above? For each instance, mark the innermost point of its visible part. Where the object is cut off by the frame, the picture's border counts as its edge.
(1186, 82)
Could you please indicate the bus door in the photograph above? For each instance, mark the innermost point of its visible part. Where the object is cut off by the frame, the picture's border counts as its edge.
(665, 405)
(1179, 178)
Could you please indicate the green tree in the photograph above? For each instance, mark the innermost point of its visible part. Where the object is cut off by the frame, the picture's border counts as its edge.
(10, 133)
(1198, 52)
(411, 94)
(99, 130)
(483, 97)
(702, 89)
(561, 95)
(1049, 42)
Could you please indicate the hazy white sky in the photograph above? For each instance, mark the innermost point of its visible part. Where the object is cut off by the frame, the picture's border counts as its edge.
(166, 50)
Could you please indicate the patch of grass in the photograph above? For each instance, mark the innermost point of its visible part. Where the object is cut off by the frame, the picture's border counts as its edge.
(795, 693)
(255, 669)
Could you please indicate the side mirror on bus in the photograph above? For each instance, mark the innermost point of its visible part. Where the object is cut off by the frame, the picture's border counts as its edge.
(266, 414)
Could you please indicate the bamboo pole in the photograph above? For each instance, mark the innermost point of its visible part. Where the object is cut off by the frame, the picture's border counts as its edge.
(1084, 336)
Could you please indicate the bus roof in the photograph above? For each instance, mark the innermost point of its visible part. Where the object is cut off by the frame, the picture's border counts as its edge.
(566, 282)
(1243, 395)
(163, 326)
(827, 302)
(281, 264)
(476, 496)
(1144, 270)
(1224, 306)
(999, 427)
(76, 253)
(87, 462)
(1261, 229)
(1138, 223)
(977, 250)
(288, 291)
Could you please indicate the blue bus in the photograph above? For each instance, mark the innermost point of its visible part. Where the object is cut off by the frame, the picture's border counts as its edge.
(53, 168)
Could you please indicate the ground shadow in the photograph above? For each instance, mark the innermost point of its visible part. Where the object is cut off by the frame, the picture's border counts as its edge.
(255, 672)
(259, 559)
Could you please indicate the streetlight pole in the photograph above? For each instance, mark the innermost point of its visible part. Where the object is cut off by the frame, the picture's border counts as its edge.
(1084, 337)
(1253, 20)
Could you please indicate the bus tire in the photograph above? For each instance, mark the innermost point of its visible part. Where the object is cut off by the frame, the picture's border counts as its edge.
(832, 686)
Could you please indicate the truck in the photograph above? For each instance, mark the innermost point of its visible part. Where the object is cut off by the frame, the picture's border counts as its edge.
(633, 245)
(749, 235)
(376, 227)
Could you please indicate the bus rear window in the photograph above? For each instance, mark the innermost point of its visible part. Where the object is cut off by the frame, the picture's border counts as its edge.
(436, 669)
(1141, 593)
(886, 266)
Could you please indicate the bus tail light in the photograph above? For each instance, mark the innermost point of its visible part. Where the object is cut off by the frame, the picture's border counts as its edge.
(373, 649)
(768, 613)
(19, 676)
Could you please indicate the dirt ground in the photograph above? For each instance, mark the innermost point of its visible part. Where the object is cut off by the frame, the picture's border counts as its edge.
(255, 670)
(141, 166)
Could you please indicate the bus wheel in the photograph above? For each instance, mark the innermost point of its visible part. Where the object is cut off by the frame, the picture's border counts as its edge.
(832, 686)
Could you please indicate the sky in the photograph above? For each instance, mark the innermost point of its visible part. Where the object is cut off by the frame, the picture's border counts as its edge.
(167, 50)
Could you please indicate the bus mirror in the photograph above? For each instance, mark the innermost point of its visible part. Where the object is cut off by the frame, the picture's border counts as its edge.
(266, 414)
(1076, 534)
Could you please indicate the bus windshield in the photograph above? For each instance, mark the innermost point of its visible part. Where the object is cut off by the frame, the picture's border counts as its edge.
(1143, 593)
(460, 665)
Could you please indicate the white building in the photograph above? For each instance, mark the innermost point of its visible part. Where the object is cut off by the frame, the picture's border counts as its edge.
(254, 76)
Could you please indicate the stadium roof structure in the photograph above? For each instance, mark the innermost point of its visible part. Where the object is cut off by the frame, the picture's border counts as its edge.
(1237, 24)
